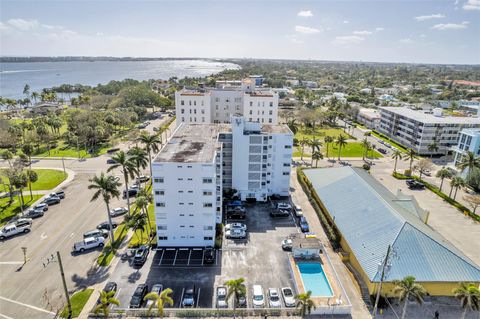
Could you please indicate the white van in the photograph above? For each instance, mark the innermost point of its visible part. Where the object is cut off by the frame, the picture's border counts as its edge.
(258, 298)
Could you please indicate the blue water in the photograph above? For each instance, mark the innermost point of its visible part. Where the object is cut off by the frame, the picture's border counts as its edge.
(39, 75)
(315, 280)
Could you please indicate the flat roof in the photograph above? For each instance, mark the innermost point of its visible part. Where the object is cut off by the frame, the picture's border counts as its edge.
(430, 118)
(370, 218)
(192, 143)
(193, 92)
(276, 129)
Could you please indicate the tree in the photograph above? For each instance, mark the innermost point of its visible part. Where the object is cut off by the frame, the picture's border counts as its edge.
(341, 142)
(366, 146)
(456, 182)
(407, 288)
(161, 300)
(107, 187)
(151, 142)
(28, 150)
(137, 222)
(473, 180)
(35, 96)
(142, 202)
(305, 303)
(106, 299)
(410, 156)
(423, 166)
(442, 174)
(432, 148)
(328, 139)
(397, 155)
(473, 201)
(469, 296)
(304, 141)
(316, 156)
(139, 157)
(237, 289)
(26, 91)
(315, 144)
(293, 126)
(469, 161)
(19, 181)
(32, 177)
(128, 169)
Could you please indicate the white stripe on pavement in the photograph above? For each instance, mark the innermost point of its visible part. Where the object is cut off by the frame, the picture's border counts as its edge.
(11, 262)
(5, 316)
(27, 305)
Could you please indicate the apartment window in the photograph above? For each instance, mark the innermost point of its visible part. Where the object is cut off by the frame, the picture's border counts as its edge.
(270, 112)
(191, 226)
(207, 227)
(180, 191)
(286, 173)
(207, 193)
(190, 179)
(182, 111)
(182, 102)
(189, 102)
(160, 204)
(159, 192)
(286, 164)
(271, 103)
(217, 99)
(195, 103)
(190, 203)
(181, 203)
(251, 103)
(202, 103)
(162, 216)
(207, 180)
(269, 120)
(180, 178)
(182, 226)
(288, 146)
(202, 111)
(189, 166)
(158, 179)
(183, 119)
(190, 192)
(250, 112)
(207, 205)
(191, 215)
(207, 238)
(162, 227)
(162, 238)
(203, 119)
(182, 215)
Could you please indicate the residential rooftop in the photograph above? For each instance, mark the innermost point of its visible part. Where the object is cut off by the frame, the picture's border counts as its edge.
(428, 118)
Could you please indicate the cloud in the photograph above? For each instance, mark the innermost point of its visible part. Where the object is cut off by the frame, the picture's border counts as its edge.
(305, 13)
(348, 39)
(430, 17)
(23, 25)
(423, 35)
(346, 21)
(406, 41)
(450, 26)
(472, 5)
(379, 29)
(306, 30)
(363, 32)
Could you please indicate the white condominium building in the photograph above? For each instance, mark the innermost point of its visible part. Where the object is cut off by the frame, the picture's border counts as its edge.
(228, 98)
(200, 160)
(468, 141)
(369, 117)
(417, 130)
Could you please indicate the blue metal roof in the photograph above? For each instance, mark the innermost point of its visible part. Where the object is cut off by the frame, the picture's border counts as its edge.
(370, 218)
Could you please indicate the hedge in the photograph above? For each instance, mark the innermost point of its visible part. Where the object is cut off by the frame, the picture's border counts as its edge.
(444, 196)
(329, 227)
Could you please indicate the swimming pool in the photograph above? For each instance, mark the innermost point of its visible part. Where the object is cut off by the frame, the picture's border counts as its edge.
(314, 279)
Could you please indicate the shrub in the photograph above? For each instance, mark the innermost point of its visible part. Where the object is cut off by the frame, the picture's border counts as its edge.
(366, 167)
(407, 172)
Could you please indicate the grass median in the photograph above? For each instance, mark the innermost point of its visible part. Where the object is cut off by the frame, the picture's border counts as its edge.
(108, 251)
(9, 210)
(47, 179)
(78, 300)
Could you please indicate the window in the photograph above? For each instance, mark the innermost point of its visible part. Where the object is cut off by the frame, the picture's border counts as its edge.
(191, 215)
(162, 238)
(180, 191)
(181, 203)
(190, 203)
(286, 164)
(160, 204)
(251, 103)
(162, 216)
(182, 226)
(269, 120)
(208, 238)
(158, 179)
(182, 102)
(250, 112)
(191, 226)
(202, 111)
(182, 111)
(207, 180)
(207, 227)
(190, 179)
(271, 103)
(190, 192)
(288, 146)
(162, 227)
(286, 173)
(207, 193)
(159, 192)
(270, 112)
(207, 205)
(182, 214)
(180, 179)
(194, 102)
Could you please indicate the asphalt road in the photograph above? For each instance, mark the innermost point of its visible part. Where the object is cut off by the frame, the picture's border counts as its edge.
(35, 291)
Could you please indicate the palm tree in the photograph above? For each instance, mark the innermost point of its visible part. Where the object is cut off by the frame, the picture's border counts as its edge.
(305, 303)
(469, 296)
(469, 161)
(128, 168)
(410, 156)
(315, 144)
(293, 126)
(341, 142)
(432, 148)
(316, 156)
(162, 299)
(406, 288)
(366, 145)
(142, 202)
(32, 177)
(139, 157)
(106, 299)
(138, 222)
(442, 174)
(236, 288)
(456, 182)
(35, 96)
(151, 142)
(328, 139)
(304, 141)
(107, 187)
(397, 155)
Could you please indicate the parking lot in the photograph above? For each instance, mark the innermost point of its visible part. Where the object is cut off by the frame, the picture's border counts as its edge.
(258, 258)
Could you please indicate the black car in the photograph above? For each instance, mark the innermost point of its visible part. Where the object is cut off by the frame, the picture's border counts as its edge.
(382, 150)
(113, 150)
(209, 256)
(141, 255)
(51, 200)
(34, 213)
(132, 192)
(236, 215)
(416, 185)
(110, 286)
(106, 226)
(111, 161)
(138, 295)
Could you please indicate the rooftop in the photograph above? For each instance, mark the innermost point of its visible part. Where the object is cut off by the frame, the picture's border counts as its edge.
(192, 143)
(193, 92)
(430, 118)
(276, 129)
(370, 218)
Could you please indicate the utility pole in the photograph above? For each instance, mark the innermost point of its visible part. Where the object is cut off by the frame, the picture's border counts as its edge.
(384, 264)
(63, 163)
(69, 305)
(24, 249)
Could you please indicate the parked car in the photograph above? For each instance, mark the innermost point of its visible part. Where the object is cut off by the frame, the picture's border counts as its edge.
(132, 191)
(189, 297)
(110, 286)
(137, 298)
(283, 205)
(288, 297)
(88, 243)
(233, 209)
(209, 255)
(158, 288)
(141, 255)
(156, 129)
(242, 298)
(119, 211)
(111, 161)
(96, 233)
(113, 150)
(298, 211)
(236, 215)
(43, 206)
(382, 150)
(21, 226)
(59, 194)
(142, 125)
(413, 184)
(222, 297)
(274, 298)
(51, 200)
(304, 224)
(235, 234)
(258, 298)
(34, 213)
(287, 244)
(106, 225)
(279, 213)
(235, 226)
(143, 179)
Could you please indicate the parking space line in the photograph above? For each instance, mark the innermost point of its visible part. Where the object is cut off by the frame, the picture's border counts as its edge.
(175, 259)
(161, 257)
(203, 256)
(198, 297)
(216, 257)
(181, 298)
(189, 254)
(197, 249)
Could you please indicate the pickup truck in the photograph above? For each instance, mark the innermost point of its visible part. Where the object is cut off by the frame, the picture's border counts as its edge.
(88, 243)
(21, 226)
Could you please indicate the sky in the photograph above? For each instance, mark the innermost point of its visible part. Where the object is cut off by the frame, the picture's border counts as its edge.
(416, 31)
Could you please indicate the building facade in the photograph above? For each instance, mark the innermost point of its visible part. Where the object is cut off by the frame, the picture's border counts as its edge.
(369, 117)
(201, 160)
(468, 141)
(418, 130)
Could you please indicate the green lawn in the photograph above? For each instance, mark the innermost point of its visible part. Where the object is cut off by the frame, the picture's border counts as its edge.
(47, 179)
(320, 133)
(108, 253)
(7, 211)
(78, 300)
(64, 150)
(352, 149)
(141, 237)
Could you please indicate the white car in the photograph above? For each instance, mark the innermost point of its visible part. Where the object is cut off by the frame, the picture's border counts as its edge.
(258, 298)
(236, 226)
(285, 206)
(88, 243)
(288, 297)
(235, 234)
(298, 211)
(287, 244)
(118, 211)
(222, 297)
(20, 226)
(274, 298)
